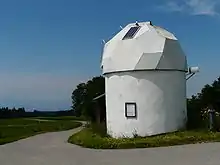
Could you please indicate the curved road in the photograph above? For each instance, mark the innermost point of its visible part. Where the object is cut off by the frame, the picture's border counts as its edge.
(53, 149)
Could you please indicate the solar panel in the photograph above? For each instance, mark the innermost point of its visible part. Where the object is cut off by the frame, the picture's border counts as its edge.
(131, 33)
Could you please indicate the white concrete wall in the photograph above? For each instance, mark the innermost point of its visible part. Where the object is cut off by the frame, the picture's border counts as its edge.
(160, 97)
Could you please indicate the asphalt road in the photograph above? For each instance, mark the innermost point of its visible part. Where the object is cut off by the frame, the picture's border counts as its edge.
(53, 149)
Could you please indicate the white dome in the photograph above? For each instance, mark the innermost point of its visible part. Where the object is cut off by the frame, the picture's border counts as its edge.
(143, 46)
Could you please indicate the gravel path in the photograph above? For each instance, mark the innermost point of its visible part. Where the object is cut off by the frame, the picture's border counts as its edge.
(53, 149)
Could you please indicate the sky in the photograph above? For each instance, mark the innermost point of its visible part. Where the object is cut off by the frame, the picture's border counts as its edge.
(47, 47)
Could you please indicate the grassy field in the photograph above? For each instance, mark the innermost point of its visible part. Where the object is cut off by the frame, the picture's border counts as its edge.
(61, 118)
(15, 129)
(87, 138)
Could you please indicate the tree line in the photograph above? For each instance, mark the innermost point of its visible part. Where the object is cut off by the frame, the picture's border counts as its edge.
(6, 112)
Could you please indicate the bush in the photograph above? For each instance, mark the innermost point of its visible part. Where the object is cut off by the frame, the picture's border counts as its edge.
(87, 138)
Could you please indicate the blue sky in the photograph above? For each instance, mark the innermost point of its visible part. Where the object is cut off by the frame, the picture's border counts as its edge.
(49, 46)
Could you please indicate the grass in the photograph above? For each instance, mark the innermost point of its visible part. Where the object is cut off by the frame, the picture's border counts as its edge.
(61, 118)
(87, 138)
(11, 122)
(15, 129)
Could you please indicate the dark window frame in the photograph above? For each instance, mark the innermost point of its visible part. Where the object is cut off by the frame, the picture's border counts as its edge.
(135, 110)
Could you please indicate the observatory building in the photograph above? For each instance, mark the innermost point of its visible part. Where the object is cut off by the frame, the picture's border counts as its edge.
(145, 81)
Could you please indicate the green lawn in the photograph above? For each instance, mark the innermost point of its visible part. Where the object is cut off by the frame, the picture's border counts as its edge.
(87, 138)
(15, 129)
(61, 118)
(10, 122)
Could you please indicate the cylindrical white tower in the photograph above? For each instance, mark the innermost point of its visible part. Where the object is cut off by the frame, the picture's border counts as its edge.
(144, 68)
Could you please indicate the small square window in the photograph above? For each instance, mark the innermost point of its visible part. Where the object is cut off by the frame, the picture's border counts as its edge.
(131, 33)
(130, 110)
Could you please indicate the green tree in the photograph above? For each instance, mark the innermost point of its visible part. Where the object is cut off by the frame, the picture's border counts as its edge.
(94, 88)
(78, 98)
(83, 95)
(209, 96)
